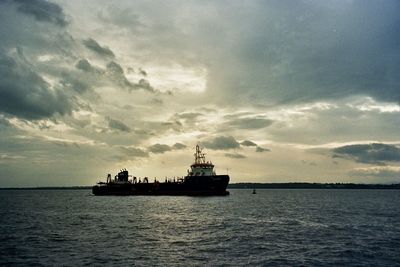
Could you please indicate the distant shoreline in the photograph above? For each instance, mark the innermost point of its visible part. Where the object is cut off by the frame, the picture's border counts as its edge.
(48, 188)
(293, 185)
(311, 186)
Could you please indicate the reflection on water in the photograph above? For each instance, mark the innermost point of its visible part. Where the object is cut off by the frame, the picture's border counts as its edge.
(272, 227)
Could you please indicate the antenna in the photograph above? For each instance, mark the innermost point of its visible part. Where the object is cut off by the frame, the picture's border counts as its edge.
(199, 157)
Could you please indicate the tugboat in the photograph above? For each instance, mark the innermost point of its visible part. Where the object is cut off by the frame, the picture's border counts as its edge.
(201, 180)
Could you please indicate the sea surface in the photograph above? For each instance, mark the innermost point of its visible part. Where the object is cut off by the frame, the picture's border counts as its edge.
(287, 227)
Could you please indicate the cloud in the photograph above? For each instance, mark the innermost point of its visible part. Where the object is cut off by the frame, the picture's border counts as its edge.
(250, 123)
(142, 72)
(260, 149)
(113, 75)
(143, 84)
(75, 82)
(188, 120)
(162, 148)
(310, 163)
(188, 115)
(326, 122)
(83, 64)
(121, 16)
(6, 158)
(377, 171)
(375, 153)
(115, 69)
(4, 123)
(179, 146)
(156, 101)
(95, 47)
(278, 52)
(159, 148)
(235, 155)
(133, 152)
(43, 11)
(117, 125)
(116, 72)
(248, 143)
(24, 93)
(277, 43)
(221, 143)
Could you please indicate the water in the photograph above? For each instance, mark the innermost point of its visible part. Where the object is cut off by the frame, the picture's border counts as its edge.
(270, 228)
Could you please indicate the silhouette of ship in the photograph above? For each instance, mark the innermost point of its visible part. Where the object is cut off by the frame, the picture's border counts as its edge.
(201, 180)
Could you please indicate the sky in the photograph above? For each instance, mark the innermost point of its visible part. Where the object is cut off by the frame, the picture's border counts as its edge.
(274, 91)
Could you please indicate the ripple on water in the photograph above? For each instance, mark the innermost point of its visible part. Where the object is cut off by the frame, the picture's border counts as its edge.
(271, 228)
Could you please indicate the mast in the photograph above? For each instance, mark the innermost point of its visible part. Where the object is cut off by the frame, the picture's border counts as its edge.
(199, 157)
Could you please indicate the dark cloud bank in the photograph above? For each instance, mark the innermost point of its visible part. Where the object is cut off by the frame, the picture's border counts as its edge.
(375, 153)
(24, 93)
(306, 51)
(42, 11)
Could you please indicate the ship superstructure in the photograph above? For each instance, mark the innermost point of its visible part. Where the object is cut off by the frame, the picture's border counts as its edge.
(201, 167)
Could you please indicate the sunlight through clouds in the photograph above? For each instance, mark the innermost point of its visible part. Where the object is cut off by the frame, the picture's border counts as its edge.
(178, 79)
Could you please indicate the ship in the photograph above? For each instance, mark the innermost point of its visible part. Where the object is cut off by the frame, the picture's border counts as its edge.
(201, 180)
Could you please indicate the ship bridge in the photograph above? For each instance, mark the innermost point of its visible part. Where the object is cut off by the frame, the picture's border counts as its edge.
(201, 167)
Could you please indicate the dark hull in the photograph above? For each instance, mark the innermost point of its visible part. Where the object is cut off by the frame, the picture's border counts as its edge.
(192, 186)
